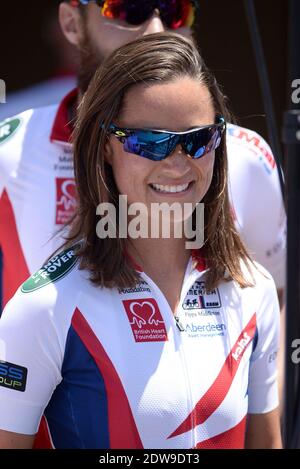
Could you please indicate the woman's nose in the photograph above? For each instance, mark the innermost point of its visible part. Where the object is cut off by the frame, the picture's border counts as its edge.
(178, 160)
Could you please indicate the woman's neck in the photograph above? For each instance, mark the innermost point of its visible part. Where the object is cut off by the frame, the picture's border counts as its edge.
(165, 262)
(158, 256)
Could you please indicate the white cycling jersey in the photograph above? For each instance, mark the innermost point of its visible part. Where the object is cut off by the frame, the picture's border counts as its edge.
(37, 192)
(114, 368)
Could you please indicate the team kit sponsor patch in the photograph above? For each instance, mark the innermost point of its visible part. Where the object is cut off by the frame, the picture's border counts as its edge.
(241, 345)
(198, 298)
(65, 161)
(55, 269)
(209, 329)
(65, 200)
(146, 320)
(13, 376)
(142, 286)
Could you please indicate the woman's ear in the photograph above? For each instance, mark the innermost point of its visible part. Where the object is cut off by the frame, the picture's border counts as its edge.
(71, 23)
(108, 151)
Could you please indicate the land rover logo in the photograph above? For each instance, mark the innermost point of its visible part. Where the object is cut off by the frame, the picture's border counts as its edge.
(57, 267)
(8, 128)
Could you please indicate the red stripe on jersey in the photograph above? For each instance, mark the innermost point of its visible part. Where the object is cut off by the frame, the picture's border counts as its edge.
(197, 255)
(62, 127)
(15, 270)
(43, 438)
(234, 438)
(123, 432)
(215, 395)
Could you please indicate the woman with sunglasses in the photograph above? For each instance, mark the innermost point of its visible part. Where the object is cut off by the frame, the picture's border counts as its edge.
(124, 341)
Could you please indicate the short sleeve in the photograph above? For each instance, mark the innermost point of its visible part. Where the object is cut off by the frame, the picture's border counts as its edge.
(263, 386)
(30, 361)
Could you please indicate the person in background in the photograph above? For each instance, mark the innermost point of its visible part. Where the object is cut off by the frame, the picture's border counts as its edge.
(61, 82)
(105, 348)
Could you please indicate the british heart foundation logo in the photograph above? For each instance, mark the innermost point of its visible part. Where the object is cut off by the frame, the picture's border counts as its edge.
(65, 200)
(145, 320)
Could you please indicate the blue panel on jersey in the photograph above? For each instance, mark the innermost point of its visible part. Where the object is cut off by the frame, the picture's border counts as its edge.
(255, 340)
(77, 412)
(254, 344)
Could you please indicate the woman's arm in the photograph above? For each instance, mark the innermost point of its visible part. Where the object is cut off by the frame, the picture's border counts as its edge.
(9, 440)
(263, 431)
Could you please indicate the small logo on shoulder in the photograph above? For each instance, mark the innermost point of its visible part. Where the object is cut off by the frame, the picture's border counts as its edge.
(56, 268)
(13, 376)
(8, 128)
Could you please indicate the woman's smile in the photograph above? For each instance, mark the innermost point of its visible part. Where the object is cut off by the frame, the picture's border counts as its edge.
(173, 190)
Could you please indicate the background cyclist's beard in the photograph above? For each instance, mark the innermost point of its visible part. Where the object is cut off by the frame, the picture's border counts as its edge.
(89, 61)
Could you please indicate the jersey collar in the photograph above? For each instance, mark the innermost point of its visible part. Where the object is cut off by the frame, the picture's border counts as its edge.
(62, 127)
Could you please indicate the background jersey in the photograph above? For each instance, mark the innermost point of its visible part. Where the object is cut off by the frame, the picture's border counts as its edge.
(37, 192)
(256, 199)
(37, 189)
(113, 368)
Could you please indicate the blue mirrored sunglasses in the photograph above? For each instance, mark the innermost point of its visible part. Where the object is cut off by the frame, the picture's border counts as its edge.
(156, 145)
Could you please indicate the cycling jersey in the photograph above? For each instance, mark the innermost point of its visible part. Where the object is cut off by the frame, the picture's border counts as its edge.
(37, 192)
(114, 368)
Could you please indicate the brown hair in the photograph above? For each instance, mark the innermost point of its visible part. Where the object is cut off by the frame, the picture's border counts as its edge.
(161, 57)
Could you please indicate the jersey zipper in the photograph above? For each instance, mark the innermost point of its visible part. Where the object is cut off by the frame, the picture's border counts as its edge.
(178, 324)
(180, 339)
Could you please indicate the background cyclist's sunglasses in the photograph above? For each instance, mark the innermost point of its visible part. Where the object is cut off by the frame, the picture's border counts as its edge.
(174, 13)
(156, 145)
